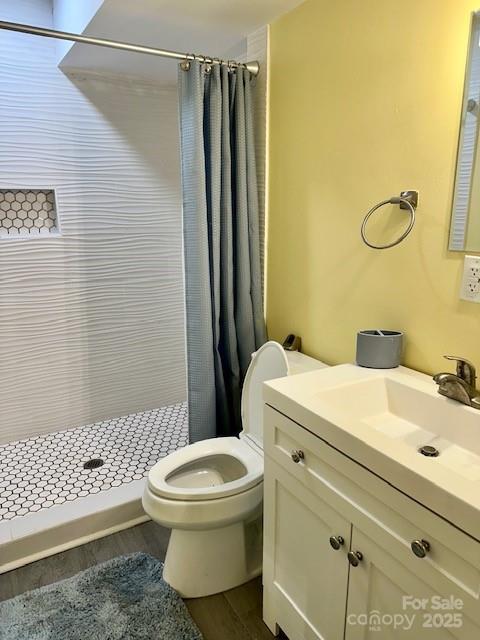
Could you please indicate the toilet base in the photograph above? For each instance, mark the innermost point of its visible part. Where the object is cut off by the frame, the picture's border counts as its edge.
(201, 563)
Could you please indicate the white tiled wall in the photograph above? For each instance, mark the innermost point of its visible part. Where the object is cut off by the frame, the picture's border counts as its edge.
(92, 321)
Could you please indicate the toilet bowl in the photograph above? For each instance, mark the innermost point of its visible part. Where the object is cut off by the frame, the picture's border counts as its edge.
(210, 493)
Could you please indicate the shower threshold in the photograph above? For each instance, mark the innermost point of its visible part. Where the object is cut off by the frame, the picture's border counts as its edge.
(62, 489)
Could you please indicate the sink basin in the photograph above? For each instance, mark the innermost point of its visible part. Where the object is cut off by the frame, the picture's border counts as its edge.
(411, 416)
(381, 419)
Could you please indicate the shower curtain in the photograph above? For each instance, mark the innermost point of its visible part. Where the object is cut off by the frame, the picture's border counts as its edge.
(224, 314)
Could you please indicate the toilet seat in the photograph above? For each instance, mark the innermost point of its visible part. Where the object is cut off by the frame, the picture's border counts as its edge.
(268, 363)
(159, 478)
(202, 471)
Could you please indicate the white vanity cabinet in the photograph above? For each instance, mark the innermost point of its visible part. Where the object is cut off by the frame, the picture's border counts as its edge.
(308, 576)
(311, 588)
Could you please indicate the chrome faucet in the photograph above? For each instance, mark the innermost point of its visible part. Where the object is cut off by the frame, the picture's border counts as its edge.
(459, 386)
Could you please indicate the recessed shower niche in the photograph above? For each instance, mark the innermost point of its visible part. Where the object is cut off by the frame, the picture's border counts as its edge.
(28, 213)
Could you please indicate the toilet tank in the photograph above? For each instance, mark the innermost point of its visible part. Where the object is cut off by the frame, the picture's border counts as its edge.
(301, 363)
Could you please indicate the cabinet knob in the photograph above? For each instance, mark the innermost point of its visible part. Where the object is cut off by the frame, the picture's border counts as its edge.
(336, 542)
(354, 557)
(297, 455)
(420, 548)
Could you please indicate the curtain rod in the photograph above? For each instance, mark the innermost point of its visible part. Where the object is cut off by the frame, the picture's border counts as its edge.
(252, 66)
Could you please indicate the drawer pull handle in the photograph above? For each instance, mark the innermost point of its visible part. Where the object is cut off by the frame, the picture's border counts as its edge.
(354, 557)
(297, 455)
(420, 548)
(336, 542)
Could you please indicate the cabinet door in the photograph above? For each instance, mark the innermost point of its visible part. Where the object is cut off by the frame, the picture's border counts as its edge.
(391, 601)
(305, 578)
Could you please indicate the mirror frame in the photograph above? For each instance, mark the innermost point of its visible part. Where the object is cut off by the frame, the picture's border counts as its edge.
(464, 165)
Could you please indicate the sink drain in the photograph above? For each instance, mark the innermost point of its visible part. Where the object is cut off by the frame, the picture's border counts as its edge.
(429, 451)
(93, 464)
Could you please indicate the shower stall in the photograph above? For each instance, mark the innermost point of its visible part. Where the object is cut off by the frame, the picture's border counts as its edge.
(92, 309)
(92, 372)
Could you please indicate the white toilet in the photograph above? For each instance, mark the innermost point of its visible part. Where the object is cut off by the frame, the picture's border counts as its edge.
(210, 493)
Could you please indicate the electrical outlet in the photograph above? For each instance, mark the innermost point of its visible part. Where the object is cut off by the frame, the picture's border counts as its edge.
(470, 289)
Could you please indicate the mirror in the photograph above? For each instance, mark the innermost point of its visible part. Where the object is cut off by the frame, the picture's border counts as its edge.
(465, 223)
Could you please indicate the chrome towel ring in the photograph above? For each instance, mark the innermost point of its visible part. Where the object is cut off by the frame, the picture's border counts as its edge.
(407, 200)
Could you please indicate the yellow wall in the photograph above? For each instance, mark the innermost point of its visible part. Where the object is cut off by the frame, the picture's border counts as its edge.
(365, 100)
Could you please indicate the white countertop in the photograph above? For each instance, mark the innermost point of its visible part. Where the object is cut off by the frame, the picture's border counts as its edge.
(343, 406)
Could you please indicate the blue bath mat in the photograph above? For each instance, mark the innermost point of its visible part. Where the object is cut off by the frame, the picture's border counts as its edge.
(123, 599)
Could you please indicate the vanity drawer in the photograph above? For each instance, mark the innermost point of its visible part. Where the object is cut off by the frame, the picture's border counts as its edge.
(451, 564)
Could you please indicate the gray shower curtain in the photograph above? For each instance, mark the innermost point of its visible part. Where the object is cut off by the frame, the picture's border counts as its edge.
(224, 315)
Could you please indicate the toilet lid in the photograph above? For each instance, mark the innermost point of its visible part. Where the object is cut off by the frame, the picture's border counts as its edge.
(269, 362)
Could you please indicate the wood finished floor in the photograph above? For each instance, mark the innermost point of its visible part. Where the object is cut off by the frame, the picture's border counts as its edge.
(233, 615)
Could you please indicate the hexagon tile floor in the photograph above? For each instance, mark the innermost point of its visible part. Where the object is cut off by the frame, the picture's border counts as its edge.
(47, 470)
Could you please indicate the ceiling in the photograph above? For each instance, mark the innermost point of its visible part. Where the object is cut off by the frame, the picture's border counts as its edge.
(210, 27)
